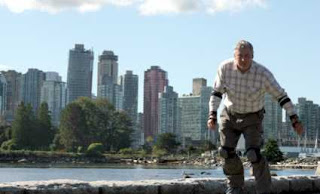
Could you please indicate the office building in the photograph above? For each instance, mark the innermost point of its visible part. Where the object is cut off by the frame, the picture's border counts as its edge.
(155, 79)
(79, 80)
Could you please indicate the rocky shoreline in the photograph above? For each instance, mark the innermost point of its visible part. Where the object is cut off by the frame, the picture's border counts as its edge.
(13, 158)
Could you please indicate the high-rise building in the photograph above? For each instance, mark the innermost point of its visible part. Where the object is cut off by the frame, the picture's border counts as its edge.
(107, 67)
(168, 112)
(308, 113)
(31, 84)
(139, 141)
(155, 79)
(13, 79)
(53, 76)
(53, 92)
(272, 122)
(129, 83)
(193, 116)
(108, 87)
(79, 81)
(197, 84)
(3, 95)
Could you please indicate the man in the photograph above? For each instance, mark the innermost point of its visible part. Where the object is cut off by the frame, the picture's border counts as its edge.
(244, 83)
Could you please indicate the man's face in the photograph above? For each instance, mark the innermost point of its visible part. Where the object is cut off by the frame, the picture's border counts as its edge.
(243, 58)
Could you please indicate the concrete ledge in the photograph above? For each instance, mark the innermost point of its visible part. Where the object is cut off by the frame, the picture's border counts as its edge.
(281, 184)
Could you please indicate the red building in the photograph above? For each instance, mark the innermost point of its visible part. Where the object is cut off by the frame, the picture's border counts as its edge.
(155, 79)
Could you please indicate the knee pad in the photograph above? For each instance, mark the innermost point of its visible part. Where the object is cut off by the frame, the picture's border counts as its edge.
(226, 152)
(253, 155)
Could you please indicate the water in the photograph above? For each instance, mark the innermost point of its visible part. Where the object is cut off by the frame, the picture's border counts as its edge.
(10, 173)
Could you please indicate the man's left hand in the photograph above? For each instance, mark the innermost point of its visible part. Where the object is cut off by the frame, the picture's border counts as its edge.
(297, 125)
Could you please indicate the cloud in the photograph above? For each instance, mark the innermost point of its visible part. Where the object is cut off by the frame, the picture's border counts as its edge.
(4, 67)
(145, 7)
(233, 5)
(55, 6)
(153, 7)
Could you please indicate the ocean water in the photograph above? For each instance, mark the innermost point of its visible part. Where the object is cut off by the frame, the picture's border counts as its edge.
(36, 172)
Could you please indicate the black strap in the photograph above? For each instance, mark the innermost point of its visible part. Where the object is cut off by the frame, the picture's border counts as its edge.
(284, 101)
(217, 94)
(283, 97)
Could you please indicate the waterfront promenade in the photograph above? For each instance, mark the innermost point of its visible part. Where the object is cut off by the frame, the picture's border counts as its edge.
(281, 184)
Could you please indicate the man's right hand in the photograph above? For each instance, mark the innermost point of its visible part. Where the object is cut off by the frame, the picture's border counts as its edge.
(212, 120)
(211, 124)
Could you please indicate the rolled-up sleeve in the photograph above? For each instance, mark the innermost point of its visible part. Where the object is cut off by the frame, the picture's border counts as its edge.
(218, 91)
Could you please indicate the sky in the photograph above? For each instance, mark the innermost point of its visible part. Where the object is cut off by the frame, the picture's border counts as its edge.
(186, 38)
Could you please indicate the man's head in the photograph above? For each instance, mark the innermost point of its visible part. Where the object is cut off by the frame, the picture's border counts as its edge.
(243, 55)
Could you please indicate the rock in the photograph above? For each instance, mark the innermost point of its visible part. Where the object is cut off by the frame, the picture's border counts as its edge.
(22, 160)
(273, 174)
(318, 169)
(186, 176)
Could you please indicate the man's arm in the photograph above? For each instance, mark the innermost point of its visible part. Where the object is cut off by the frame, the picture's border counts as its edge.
(273, 88)
(216, 98)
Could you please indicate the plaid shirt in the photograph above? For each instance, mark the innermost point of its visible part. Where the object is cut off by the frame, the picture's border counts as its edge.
(244, 92)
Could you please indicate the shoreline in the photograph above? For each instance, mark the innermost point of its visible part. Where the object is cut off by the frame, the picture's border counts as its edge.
(48, 159)
(126, 165)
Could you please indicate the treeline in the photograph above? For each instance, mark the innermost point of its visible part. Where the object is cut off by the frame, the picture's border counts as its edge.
(82, 123)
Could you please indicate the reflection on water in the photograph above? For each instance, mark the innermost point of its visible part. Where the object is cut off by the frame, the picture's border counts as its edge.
(10, 173)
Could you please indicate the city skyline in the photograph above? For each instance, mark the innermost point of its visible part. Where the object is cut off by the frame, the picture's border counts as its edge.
(184, 116)
(186, 38)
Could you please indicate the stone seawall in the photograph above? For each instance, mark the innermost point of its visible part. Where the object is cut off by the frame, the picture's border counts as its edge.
(281, 184)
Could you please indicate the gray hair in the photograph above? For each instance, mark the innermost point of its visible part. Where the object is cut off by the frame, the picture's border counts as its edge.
(244, 44)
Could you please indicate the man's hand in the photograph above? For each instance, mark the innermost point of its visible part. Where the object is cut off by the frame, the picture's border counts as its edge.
(212, 120)
(211, 124)
(296, 124)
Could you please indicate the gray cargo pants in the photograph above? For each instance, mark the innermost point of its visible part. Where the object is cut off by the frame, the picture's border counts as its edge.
(250, 125)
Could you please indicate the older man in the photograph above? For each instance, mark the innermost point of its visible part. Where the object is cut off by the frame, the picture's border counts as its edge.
(244, 83)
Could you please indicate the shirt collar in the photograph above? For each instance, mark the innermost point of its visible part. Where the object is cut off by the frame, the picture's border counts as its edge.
(250, 69)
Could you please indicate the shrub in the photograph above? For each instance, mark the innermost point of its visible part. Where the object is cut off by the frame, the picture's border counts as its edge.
(80, 149)
(272, 151)
(126, 151)
(143, 153)
(95, 149)
(9, 145)
(158, 152)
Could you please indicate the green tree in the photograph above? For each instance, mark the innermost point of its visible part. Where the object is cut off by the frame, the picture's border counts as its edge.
(45, 131)
(73, 131)
(167, 141)
(104, 117)
(86, 121)
(23, 127)
(5, 133)
(123, 128)
(272, 151)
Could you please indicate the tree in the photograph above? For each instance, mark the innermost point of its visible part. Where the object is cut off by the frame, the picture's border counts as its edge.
(5, 133)
(167, 141)
(272, 151)
(23, 127)
(123, 128)
(73, 131)
(45, 132)
(86, 121)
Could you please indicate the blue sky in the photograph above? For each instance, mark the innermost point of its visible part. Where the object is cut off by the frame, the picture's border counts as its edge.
(187, 38)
